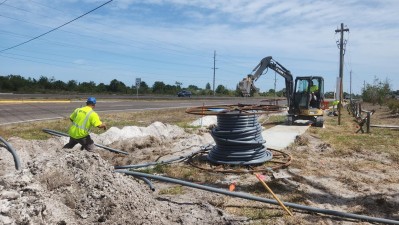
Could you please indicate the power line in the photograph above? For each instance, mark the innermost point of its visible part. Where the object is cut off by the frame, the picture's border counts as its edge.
(148, 39)
(130, 44)
(107, 52)
(56, 27)
(147, 46)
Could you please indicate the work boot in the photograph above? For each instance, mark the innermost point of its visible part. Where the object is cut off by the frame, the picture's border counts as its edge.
(90, 147)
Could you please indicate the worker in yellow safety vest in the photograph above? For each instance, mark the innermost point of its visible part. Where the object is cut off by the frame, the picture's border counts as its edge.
(83, 119)
(313, 99)
(334, 109)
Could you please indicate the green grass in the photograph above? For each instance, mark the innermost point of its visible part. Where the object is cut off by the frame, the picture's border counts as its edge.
(260, 214)
(159, 169)
(346, 141)
(33, 130)
(175, 190)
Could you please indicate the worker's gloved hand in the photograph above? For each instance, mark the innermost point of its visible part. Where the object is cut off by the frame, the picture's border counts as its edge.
(103, 126)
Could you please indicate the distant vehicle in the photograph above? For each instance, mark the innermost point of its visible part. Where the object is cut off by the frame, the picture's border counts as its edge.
(184, 93)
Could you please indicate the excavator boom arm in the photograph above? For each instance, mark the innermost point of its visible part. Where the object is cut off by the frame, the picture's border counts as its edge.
(247, 84)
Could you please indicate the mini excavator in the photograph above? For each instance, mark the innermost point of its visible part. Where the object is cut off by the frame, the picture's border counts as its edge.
(305, 97)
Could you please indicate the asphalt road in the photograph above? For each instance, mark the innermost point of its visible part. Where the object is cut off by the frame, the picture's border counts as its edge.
(17, 110)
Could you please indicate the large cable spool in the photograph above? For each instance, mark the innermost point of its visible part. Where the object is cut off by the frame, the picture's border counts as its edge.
(239, 141)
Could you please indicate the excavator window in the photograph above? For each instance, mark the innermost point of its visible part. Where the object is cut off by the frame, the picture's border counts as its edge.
(308, 92)
(301, 94)
(302, 86)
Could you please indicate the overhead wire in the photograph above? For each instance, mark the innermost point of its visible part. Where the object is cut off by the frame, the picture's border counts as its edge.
(163, 43)
(160, 61)
(136, 46)
(14, 7)
(54, 29)
(122, 55)
(148, 46)
(117, 54)
(348, 63)
(30, 58)
(145, 43)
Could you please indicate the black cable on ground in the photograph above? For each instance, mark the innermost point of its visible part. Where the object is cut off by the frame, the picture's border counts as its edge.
(150, 185)
(259, 199)
(60, 134)
(172, 160)
(239, 141)
(13, 152)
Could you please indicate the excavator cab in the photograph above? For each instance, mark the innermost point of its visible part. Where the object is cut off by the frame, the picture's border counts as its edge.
(308, 97)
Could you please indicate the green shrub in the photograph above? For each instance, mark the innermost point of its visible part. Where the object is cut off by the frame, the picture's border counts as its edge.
(393, 105)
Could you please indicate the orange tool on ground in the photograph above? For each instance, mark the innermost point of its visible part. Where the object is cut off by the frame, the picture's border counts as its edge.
(232, 186)
(274, 196)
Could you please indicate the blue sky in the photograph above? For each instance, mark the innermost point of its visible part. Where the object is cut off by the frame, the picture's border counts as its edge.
(174, 40)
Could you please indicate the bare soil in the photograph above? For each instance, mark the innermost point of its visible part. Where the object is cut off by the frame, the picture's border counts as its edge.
(71, 186)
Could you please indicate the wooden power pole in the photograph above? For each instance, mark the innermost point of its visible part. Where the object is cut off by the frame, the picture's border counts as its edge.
(341, 68)
(214, 71)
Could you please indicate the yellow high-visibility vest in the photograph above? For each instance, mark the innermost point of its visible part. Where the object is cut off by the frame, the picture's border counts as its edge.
(83, 119)
(314, 88)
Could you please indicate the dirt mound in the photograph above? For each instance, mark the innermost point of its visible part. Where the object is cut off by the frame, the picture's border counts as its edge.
(157, 129)
(147, 144)
(70, 186)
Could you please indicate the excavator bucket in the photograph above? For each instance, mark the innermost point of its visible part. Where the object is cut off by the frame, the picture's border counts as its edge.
(245, 86)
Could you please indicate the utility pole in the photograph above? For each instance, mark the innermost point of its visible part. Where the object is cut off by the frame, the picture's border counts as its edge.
(341, 67)
(364, 85)
(275, 82)
(138, 82)
(214, 71)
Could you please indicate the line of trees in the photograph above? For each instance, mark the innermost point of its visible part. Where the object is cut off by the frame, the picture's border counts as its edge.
(380, 93)
(20, 84)
(376, 93)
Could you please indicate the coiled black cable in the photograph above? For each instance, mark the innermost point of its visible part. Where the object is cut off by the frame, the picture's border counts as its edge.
(239, 141)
